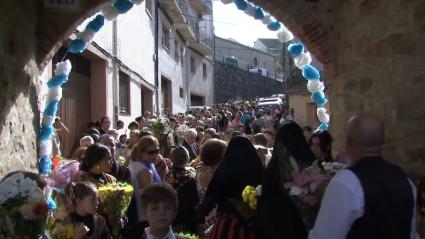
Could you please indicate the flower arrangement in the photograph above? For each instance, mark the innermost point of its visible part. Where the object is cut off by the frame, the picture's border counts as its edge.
(115, 198)
(250, 195)
(306, 186)
(186, 235)
(158, 127)
(23, 207)
(60, 228)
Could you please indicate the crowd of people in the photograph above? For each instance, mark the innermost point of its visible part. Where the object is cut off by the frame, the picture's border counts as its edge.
(189, 173)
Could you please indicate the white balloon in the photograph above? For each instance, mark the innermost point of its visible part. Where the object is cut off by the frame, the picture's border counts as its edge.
(322, 115)
(45, 147)
(285, 35)
(267, 19)
(315, 86)
(226, 1)
(110, 13)
(250, 10)
(137, 2)
(63, 68)
(87, 35)
(302, 60)
(48, 120)
(54, 93)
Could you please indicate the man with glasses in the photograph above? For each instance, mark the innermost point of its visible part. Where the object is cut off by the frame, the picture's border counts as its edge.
(105, 125)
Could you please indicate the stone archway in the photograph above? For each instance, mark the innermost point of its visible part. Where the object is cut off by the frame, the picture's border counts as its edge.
(371, 50)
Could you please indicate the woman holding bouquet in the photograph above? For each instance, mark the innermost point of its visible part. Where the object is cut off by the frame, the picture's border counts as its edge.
(277, 215)
(241, 167)
(95, 167)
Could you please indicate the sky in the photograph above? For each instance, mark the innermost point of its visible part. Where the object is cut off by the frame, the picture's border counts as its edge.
(230, 22)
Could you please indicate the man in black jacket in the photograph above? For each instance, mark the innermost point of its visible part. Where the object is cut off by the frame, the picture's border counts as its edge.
(189, 143)
(371, 199)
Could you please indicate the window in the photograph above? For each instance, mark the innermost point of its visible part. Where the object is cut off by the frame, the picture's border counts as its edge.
(192, 65)
(124, 93)
(166, 37)
(204, 70)
(181, 93)
(148, 7)
(176, 50)
(255, 62)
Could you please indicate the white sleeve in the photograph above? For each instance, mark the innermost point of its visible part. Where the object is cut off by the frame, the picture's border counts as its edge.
(342, 204)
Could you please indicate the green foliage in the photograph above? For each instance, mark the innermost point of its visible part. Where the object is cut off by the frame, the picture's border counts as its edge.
(187, 235)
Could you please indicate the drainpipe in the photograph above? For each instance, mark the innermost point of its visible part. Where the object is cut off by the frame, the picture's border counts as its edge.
(156, 60)
(115, 77)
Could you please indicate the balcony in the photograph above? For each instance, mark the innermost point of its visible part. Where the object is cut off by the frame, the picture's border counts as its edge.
(202, 6)
(177, 16)
(203, 44)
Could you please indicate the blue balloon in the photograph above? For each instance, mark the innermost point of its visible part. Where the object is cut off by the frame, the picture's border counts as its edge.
(57, 80)
(45, 166)
(310, 73)
(274, 26)
(319, 98)
(258, 13)
(52, 108)
(241, 4)
(323, 126)
(45, 132)
(77, 46)
(51, 204)
(123, 6)
(97, 23)
(296, 49)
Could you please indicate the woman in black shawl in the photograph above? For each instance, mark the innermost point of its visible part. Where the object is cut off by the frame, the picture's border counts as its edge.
(241, 166)
(277, 216)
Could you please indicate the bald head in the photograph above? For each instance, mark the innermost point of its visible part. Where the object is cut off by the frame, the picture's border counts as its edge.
(365, 133)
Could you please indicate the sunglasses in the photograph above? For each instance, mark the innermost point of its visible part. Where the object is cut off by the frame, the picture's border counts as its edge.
(152, 152)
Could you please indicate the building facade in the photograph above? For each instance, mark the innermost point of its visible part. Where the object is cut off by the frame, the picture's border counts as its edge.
(115, 76)
(248, 58)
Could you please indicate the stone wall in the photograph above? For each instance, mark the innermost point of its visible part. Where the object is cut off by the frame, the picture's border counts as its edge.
(381, 69)
(18, 99)
(231, 83)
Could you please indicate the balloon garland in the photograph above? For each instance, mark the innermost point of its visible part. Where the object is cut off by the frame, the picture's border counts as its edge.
(302, 59)
(63, 68)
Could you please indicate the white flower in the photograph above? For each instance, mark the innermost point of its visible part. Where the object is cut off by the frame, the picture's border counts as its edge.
(258, 190)
(295, 191)
(29, 189)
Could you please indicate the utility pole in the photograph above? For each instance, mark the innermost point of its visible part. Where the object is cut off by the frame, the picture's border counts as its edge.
(156, 59)
(115, 76)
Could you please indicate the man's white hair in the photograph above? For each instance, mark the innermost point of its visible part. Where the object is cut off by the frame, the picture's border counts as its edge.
(86, 141)
(190, 132)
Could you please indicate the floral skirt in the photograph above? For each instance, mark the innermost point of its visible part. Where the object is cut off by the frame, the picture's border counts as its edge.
(230, 227)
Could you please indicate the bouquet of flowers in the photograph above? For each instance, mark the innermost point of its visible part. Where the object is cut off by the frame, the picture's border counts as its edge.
(306, 186)
(23, 207)
(186, 235)
(115, 198)
(158, 127)
(58, 227)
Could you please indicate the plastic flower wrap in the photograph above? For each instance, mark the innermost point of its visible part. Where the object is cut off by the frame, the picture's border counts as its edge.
(115, 198)
(23, 207)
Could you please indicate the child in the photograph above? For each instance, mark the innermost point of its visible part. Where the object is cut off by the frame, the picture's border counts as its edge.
(84, 201)
(159, 206)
